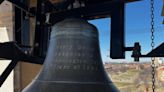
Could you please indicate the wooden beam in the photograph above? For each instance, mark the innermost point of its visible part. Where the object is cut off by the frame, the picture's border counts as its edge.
(117, 44)
(95, 11)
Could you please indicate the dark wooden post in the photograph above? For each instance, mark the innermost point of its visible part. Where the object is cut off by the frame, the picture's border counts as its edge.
(117, 31)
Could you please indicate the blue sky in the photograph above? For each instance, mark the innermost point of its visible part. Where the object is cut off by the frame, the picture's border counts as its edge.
(137, 27)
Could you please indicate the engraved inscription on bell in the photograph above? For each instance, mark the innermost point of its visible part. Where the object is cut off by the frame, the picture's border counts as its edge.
(73, 62)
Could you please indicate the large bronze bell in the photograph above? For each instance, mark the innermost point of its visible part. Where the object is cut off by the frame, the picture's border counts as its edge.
(73, 62)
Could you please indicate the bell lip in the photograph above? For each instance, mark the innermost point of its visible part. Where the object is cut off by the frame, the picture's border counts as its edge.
(107, 86)
(75, 82)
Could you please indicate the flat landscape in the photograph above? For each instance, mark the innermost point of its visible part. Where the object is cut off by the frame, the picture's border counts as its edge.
(133, 77)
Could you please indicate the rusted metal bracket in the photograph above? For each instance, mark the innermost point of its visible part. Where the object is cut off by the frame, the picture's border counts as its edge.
(157, 52)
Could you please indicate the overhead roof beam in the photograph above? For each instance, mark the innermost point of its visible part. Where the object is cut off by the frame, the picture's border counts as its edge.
(89, 12)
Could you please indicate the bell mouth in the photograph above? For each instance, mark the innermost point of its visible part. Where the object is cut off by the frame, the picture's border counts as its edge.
(63, 86)
(74, 82)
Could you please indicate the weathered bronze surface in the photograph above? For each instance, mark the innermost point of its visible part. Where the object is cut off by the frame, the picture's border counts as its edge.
(73, 62)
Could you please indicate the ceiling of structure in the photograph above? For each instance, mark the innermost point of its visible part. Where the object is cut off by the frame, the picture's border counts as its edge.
(89, 1)
(6, 10)
(57, 1)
